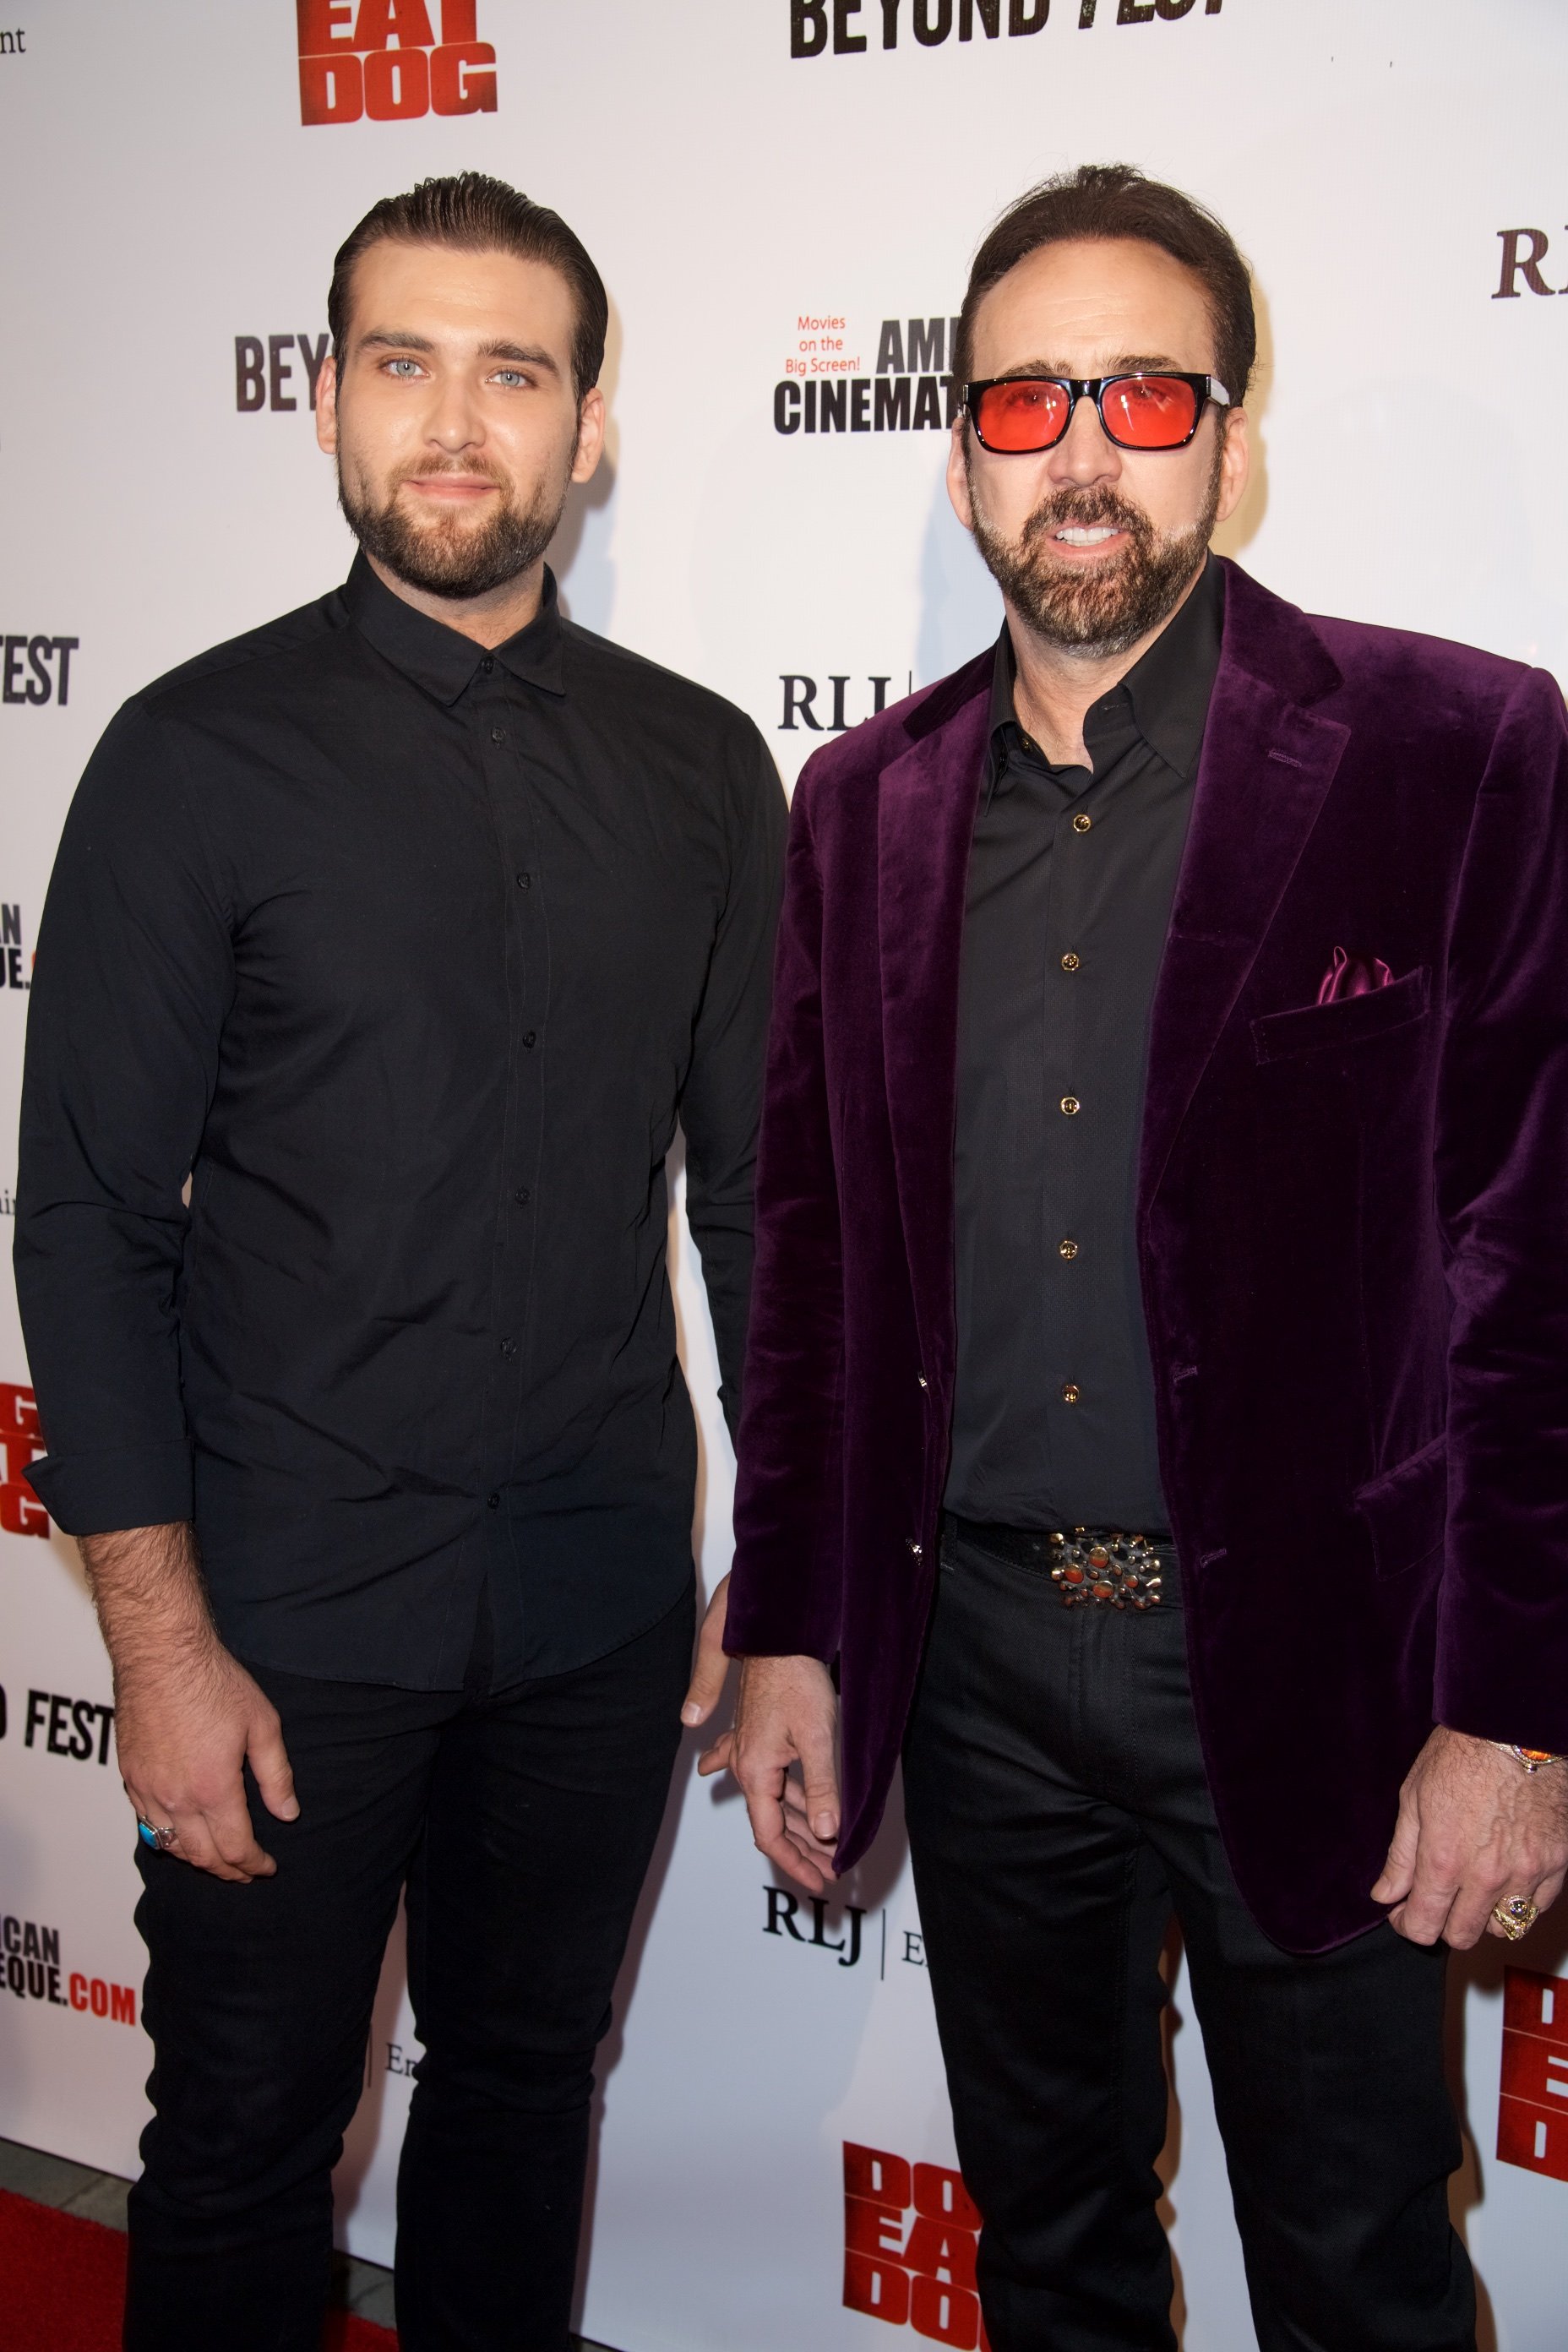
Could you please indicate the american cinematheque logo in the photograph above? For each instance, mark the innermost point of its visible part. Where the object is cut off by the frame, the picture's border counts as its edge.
(386, 60)
(826, 387)
(846, 28)
(31, 1968)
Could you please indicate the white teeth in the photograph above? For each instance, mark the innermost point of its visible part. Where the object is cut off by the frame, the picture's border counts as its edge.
(1096, 538)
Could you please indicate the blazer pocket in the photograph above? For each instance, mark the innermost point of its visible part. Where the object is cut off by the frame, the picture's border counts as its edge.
(1406, 1509)
(1353, 1021)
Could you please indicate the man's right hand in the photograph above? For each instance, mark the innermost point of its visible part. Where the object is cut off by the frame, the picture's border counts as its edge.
(187, 1717)
(786, 1712)
(184, 1729)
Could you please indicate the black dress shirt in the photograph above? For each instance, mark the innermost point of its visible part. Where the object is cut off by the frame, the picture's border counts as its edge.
(410, 955)
(1070, 885)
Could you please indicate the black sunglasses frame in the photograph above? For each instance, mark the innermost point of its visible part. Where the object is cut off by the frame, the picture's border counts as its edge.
(1207, 389)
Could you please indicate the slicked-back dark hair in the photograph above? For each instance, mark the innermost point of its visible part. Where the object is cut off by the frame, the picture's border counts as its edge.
(476, 213)
(1102, 201)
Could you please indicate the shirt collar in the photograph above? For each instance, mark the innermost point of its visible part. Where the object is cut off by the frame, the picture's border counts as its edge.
(1167, 688)
(442, 660)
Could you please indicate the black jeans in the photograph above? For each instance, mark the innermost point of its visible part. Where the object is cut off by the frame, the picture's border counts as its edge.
(521, 1823)
(1057, 1810)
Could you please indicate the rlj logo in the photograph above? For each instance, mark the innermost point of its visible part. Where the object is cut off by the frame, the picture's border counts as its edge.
(1523, 251)
(381, 58)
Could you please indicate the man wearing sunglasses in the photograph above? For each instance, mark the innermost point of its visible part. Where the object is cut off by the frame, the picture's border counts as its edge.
(1153, 1421)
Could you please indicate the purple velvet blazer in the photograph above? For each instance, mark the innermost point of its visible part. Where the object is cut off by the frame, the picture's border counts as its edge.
(1354, 1230)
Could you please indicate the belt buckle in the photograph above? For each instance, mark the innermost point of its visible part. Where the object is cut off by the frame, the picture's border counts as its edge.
(1105, 1568)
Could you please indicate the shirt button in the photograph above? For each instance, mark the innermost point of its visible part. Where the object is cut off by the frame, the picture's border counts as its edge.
(1069, 962)
(1070, 1392)
(1067, 1249)
(488, 663)
(528, 1039)
(522, 1196)
(1070, 1106)
(917, 1548)
(497, 735)
(508, 1347)
(526, 881)
(1080, 823)
(492, 1502)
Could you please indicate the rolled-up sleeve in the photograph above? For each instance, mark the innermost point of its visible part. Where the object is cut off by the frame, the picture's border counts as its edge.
(133, 980)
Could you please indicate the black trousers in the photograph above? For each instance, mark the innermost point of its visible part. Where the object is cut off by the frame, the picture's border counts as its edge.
(520, 1824)
(1058, 1811)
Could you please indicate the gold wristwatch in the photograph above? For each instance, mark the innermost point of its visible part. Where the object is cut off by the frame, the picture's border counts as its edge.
(1533, 1759)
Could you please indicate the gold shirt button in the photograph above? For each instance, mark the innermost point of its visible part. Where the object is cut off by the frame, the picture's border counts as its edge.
(1069, 962)
(1071, 1105)
(1082, 822)
(1070, 1392)
(1067, 1249)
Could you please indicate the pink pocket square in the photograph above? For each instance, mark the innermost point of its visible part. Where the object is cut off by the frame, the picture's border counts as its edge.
(1352, 975)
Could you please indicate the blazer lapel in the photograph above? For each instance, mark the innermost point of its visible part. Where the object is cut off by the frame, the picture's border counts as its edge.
(1266, 764)
(926, 801)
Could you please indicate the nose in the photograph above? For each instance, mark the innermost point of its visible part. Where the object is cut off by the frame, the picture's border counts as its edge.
(454, 422)
(1084, 455)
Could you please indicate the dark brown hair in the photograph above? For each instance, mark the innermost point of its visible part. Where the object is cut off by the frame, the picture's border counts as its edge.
(1101, 200)
(477, 215)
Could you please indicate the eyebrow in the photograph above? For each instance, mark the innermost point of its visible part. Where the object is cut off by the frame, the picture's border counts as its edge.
(1131, 363)
(525, 354)
(388, 339)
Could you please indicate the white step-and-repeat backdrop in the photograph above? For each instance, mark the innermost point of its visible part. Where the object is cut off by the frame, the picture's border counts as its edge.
(783, 196)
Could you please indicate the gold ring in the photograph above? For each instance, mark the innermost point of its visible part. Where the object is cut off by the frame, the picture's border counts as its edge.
(1517, 1916)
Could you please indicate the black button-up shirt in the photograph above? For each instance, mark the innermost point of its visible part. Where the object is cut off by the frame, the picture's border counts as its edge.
(1071, 880)
(409, 955)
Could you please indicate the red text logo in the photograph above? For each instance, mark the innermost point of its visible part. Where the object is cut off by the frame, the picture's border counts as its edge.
(21, 1513)
(381, 58)
(910, 2236)
(1532, 2113)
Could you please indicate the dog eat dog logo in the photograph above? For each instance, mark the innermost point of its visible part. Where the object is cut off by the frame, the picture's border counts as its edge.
(21, 1513)
(381, 58)
(910, 2236)
(1532, 2113)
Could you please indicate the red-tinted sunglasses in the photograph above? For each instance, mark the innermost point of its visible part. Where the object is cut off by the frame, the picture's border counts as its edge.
(1017, 415)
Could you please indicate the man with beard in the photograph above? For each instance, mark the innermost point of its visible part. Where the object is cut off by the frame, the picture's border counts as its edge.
(405, 928)
(1163, 1211)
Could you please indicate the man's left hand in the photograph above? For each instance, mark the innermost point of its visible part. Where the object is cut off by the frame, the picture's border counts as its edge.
(1475, 1829)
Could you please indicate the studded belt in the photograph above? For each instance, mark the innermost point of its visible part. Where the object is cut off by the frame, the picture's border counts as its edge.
(1090, 1566)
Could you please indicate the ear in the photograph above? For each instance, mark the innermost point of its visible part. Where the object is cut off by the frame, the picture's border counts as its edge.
(327, 407)
(590, 435)
(1234, 463)
(958, 472)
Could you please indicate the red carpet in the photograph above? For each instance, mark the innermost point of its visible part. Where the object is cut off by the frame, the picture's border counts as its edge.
(62, 2284)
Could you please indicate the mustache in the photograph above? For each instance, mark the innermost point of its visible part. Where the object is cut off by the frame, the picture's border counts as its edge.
(422, 469)
(1083, 510)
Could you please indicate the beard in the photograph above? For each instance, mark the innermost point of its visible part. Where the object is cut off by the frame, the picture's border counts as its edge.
(1108, 608)
(441, 555)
